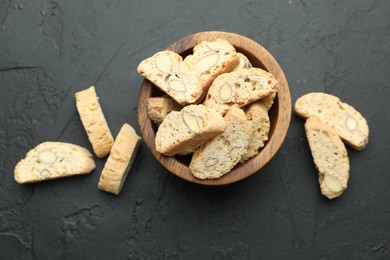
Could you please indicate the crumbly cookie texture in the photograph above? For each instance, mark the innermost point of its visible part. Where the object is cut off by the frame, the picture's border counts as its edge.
(176, 78)
(240, 88)
(212, 58)
(119, 162)
(160, 107)
(345, 120)
(268, 101)
(330, 157)
(220, 154)
(94, 122)
(258, 115)
(53, 160)
(184, 131)
(243, 62)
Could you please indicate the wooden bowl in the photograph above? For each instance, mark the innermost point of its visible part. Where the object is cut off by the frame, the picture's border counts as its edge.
(280, 113)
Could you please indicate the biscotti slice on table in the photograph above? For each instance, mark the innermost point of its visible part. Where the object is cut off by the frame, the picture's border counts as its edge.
(258, 115)
(220, 154)
(243, 62)
(184, 131)
(346, 121)
(176, 78)
(330, 157)
(94, 122)
(53, 160)
(160, 107)
(240, 88)
(120, 160)
(212, 58)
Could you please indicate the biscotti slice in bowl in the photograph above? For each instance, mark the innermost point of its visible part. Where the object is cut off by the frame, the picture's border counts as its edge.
(53, 160)
(176, 78)
(120, 160)
(268, 101)
(212, 58)
(220, 154)
(160, 107)
(243, 62)
(240, 88)
(330, 157)
(257, 114)
(94, 122)
(184, 131)
(345, 120)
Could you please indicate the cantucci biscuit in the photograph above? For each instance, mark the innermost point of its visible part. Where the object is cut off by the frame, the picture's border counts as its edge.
(183, 132)
(268, 101)
(330, 157)
(53, 160)
(220, 154)
(120, 160)
(212, 58)
(243, 62)
(258, 115)
(94, 122)
(348, 123)
(240, 88)
(160, 107)
(176, 78)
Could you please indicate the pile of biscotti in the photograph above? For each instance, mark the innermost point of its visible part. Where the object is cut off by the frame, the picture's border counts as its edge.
(53, 160)
(215, 106)
(329, 123)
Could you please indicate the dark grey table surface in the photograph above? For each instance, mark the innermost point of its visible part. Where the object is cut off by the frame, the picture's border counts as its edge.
(51, 49)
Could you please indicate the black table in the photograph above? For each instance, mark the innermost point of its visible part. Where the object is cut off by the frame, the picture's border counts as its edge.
(49, 50)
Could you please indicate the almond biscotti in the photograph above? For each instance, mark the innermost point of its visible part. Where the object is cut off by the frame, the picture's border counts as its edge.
(243, 62)
(120, 160)
(346, 121)
(268, 101)
(160, 107)
(258, 115)
(176, 78)
(53, 160)
(240, 88)
(94, 122)
(212, 58)
(330, 157)
(220, 154)
(184, 131)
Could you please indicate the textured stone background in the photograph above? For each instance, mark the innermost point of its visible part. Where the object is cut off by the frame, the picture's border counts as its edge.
(51, 49)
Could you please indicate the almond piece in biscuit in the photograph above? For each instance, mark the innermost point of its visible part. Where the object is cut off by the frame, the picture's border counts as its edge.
(346, 121)
(53, 160)
(330, 157)
(94, 122)
(120, 160)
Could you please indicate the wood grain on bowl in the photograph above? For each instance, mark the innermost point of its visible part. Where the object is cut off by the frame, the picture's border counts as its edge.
(280, 112)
